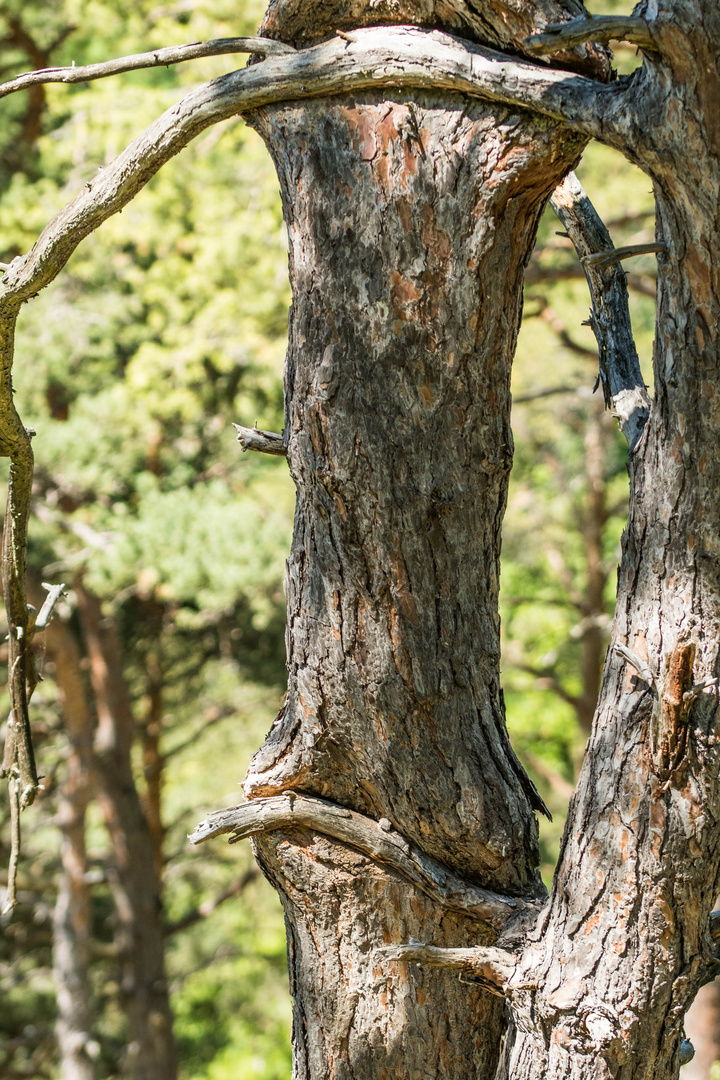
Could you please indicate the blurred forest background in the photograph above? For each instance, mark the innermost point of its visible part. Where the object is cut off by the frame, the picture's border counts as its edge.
(164, 666)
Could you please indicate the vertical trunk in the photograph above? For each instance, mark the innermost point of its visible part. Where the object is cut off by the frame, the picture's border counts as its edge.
(624, 945)
(153, 759)
(72, 929)
(136, 886)
(410, 222)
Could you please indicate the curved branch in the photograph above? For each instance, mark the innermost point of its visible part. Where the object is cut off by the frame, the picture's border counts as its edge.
(598, 28)
(620, 372)
(377, 840)
(265, 442)
(379, 57)
(175, 54)
(493, 967)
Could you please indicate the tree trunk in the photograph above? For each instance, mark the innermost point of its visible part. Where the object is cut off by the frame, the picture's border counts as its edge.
(135, 883)
(624, 945)
(72, 925)
(410, 224)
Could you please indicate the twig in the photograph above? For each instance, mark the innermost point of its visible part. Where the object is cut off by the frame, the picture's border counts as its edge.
(266, 442)
(208, 906)
(378, 840)
(11, 894)
(536, 395)
(175, 54)
(620, 372)
(600, 260)
(645, 673)
(600, 28)
(54, 594)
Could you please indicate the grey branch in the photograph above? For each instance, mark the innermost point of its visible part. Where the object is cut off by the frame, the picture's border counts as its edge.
(176, 54)
(266, 442)
(11, 894)
(494, 967)
(375, 839)
(600, 260)
(645, 673)
(54, 594)
(620, 372)
(599, 28)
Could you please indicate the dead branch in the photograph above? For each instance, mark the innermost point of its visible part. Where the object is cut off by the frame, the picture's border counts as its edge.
(620, 372)
(597, 28)
(378, 840)
(266, 442)
(176, 54)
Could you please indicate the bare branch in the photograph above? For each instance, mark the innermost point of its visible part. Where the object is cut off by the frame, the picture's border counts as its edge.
(11, 894)
(384, 56)
(620, 372)
(596, 28)
(54, 594)
(266, 442)
(176, 54)
(493, 967)
(602, 259)
(377, 840)
(536, 395)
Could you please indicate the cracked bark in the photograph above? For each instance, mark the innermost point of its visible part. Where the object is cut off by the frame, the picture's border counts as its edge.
(411, 219)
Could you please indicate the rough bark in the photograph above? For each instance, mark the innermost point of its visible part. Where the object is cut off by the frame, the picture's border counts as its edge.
(134, 880)
(410, 221)
(625, 943)
(72, 930)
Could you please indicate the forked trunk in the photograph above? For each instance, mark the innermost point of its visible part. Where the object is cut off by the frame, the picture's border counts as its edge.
(411, 217)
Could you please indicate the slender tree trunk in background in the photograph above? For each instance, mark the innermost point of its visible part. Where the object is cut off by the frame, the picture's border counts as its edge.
(72, 927)
(135, 883)
(153, 763)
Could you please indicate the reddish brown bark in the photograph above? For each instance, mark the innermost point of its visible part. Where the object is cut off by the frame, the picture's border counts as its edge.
(134, 879)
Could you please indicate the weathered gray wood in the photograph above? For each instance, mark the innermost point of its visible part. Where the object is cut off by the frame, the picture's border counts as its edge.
(378, 840)
(264, 442)
(597, 28)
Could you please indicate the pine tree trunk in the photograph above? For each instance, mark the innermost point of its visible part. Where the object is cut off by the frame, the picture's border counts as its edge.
(410, 222)
(150, 1052)
(411, 217)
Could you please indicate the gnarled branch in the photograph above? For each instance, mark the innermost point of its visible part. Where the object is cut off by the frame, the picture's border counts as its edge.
(377, 840)
(493, 967)
(175, 54)
(620, 372)
(599, 28)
